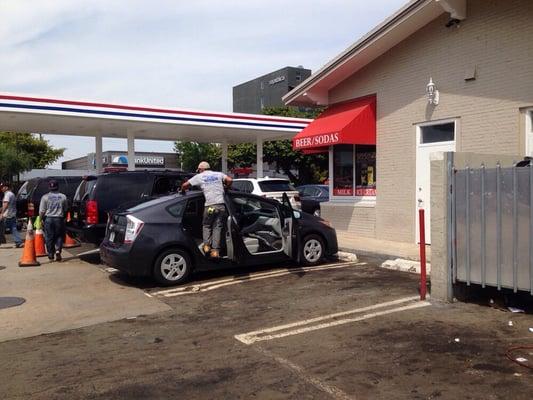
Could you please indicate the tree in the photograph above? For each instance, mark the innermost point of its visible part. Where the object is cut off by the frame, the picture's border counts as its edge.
(308, 168)
(190, 154)
(39, 150)
(242, 155)
(12, 162)
(21, 152)
(299, 167)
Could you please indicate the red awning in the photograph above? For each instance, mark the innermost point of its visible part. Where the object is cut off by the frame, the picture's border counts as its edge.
(351, 122)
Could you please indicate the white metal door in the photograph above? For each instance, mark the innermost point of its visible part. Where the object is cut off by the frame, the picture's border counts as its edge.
(423, 188)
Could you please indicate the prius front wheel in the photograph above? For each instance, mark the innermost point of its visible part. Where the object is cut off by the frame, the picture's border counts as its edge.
(312, 250)
(172, 267)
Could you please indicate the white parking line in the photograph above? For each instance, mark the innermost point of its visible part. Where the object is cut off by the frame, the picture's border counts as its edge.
(212, 285)
(309, 325)
(334, 392)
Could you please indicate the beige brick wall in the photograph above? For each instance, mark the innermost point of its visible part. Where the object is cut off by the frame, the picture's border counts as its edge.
(360, 221)
(496, 38)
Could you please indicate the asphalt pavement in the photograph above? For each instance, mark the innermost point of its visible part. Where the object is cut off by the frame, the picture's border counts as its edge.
(339, 331)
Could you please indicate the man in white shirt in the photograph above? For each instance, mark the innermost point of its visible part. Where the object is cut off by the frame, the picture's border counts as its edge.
(215, 214)
(8, 213)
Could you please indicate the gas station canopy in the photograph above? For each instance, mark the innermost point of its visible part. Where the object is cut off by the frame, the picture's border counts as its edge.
(20, 113)
(81, 118)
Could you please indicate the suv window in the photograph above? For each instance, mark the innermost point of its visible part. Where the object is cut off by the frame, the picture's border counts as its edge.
(70, 186)
(41, 189)
(243, 186)
(85, 190)
(23, 191)
(115, 189)
(276, 185)
(161, 186)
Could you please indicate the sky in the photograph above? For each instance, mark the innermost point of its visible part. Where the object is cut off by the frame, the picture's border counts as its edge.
(173, 53)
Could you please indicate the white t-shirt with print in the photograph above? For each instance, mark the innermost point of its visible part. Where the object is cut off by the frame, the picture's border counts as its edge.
(212, 184)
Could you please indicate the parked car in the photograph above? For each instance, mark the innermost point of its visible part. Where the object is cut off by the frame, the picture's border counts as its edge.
(30, 193)
(162, 238)
(272, 188)
(98, 195)
(311, 196)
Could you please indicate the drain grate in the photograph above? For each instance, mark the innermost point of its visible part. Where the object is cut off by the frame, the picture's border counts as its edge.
(6, 302)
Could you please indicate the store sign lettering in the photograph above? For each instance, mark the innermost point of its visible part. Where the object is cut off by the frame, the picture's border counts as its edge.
(343, 192)
(359, 191)
(149, 160)
(140, 160)
(318, 141)
(276, 80)
(365, 191)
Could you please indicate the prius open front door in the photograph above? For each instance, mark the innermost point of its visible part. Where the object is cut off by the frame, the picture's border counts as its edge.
(289, 230)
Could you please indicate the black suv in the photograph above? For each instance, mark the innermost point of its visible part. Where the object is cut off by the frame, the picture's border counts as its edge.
(30, 193)
(98, 195)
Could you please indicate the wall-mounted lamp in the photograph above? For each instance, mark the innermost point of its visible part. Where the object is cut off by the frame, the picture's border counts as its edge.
(432, 93)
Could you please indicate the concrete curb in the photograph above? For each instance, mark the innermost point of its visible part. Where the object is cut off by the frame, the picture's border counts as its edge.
(400, 264)
(347, 256)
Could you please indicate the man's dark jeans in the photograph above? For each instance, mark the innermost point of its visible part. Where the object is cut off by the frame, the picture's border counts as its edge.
(54, 232)
(2, 231)
(11, 224)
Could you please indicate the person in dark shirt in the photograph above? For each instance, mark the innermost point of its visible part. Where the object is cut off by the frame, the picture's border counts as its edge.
(53, 209)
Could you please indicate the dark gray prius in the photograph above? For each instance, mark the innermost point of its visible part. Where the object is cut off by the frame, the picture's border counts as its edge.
(162, 238)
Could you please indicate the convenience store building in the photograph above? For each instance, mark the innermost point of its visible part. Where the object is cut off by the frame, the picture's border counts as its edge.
(437, 76)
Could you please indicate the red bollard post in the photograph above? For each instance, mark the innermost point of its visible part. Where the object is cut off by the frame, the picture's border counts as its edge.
(423, 286)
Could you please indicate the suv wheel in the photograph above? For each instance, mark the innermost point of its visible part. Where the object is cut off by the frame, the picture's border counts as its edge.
(312, 250)
(172, 267)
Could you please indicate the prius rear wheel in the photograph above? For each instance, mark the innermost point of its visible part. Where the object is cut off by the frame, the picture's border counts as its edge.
(312, 250)
(172, 267)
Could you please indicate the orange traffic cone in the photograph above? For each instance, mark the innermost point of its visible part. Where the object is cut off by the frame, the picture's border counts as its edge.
(28, 258)
(69, 243)
(40, 250)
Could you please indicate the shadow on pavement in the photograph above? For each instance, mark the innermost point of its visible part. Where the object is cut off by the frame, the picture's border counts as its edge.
(124, 279)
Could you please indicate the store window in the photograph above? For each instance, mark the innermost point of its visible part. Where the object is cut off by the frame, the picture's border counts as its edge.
(365, 170)
(343, 171)
(354, 171)
(437, 133)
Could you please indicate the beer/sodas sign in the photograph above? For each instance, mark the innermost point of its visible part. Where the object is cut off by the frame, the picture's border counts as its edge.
(325, 139)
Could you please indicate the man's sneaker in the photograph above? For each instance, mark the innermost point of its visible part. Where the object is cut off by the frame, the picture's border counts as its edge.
(206, 248)
(51, 258)
(19, 245)
(214, 254)
(58, 256)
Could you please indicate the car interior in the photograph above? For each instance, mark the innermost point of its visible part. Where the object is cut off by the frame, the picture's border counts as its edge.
(259, 223)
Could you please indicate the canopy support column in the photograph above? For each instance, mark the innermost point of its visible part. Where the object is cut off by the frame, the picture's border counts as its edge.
(98, 153)
(131, 151)
(224, 146)
(259, 164)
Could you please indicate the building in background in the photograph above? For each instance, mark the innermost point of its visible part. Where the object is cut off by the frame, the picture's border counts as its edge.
(266, 91)
(119, 160)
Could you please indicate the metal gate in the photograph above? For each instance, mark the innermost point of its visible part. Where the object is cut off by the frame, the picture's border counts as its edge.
(492, 226)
